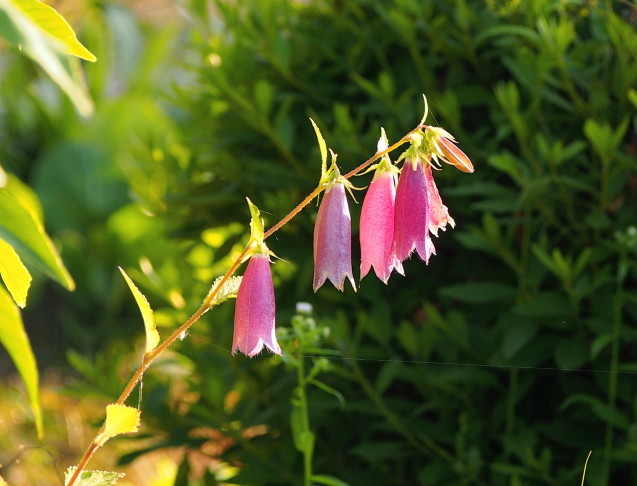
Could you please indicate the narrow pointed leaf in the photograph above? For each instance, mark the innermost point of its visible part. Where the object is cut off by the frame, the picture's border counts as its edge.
(152, 336)
(15, 340)
(256, 223)
(322, 147)
(51, 22)
(14, 274)
(120, 419)
(93, 478)
(25, 233)
(328, 480)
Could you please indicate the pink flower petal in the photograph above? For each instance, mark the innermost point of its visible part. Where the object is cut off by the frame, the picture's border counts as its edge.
(333, 240)
(411, 213)
(377, 228)
(255, 310)
(438, 212)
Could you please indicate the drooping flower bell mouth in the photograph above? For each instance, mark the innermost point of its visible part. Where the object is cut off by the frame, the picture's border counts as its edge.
(333, 239)
(255, 308)
(411, 213)
(377, 220)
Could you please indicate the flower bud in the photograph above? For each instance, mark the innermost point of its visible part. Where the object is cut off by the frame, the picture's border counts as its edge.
(454, 156)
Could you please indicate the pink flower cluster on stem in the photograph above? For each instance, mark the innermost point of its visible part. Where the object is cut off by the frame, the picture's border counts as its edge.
(398, 217)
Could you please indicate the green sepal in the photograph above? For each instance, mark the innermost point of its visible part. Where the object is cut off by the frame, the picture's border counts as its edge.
(322, 147)
(256, 244)
(424, 116)
(384, 164)
(256, 223)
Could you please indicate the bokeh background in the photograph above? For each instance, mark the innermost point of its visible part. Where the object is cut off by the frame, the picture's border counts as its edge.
(503, 362)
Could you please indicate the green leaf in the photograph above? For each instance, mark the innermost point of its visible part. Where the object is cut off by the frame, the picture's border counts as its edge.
(51, 22)
(479, 292)
(25, 233)
(22, 192)
(14, 274)
(227, 291)
(519, 332)
(50, 53)
(152, 336)
(328, 389)
(327, 480)
(15, 340)
(570, 354)
(322, 147)
(600, 409)
(264, 96)
(93, 478)
(120, 419)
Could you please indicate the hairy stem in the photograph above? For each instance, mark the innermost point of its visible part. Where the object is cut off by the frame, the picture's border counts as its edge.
(208, 302)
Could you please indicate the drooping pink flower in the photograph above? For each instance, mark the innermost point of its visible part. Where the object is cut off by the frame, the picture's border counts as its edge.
(333, 239)
(377, 227)
(438, 212)
(411, 213)
(255, 310)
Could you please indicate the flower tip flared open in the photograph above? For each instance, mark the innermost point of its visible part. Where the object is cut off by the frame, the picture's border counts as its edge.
(255, 310)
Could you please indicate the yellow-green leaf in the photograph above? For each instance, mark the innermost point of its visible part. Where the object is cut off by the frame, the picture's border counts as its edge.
(3, 482)
(120, 419)
(92, 478)
(48, 51)
(322, 148)
(228, 290)
(51, 22)
(15, 340)
(256, 223)
(152, 336)
(14, 274)
(20, 228)
(22, 192)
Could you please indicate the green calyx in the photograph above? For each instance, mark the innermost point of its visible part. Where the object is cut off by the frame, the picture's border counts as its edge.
(256, 243)
(384, 164)
(424, 144)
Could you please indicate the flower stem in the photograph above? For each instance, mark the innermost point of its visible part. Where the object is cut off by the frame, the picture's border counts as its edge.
(308, 450)
(207, 303)
(618, 302)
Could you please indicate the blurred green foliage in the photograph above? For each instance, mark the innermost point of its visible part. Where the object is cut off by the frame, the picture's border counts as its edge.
(476, 369)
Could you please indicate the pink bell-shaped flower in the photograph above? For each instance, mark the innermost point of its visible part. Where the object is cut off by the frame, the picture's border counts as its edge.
(411, 213)
(377, 227)
(333, 239)
(438, 212)
(255, 310)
